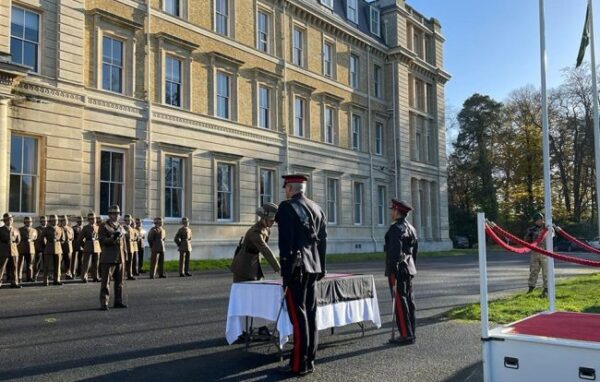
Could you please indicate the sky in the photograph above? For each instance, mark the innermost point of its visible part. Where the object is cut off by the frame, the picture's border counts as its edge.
(493, 47)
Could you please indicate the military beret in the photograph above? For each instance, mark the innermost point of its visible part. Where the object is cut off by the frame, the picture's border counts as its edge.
(294, 178)
(401, 206)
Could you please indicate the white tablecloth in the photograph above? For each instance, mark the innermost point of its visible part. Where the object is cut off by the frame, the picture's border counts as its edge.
(263, 299)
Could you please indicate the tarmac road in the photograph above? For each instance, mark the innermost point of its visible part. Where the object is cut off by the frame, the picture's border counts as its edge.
(174, 330)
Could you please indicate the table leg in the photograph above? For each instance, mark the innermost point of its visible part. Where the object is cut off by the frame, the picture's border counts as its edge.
(247, 334)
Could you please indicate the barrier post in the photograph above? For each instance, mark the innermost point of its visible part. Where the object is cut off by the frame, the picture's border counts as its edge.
(483, 295)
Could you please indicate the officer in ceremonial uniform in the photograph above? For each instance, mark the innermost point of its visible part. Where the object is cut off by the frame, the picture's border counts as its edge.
(51, 242)
(156, 241)
(27, 249)
(112, 259)
(246, 264)
(302, 249)
(141, 236)
(77, 252)
(401, 249)
(67, 246)
(537, 261)
(183, 240)
(39, 250)
(131, 241)
(9, 241)
(88, 241)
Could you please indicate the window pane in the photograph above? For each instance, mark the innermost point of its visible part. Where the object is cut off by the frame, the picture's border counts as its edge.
(117, 167)
(16, 154)
(104, 198)
(16, 51)
(223, 178)
(14, 199)
(31, 26)
(117, 52)
(106, 77)
(177, 195)
(116, 194)
(106, 49)
(116, 79)
(17, 22)
(28, 192)
(168, 202)
(105, 166)
(29, 156)
(30, 55)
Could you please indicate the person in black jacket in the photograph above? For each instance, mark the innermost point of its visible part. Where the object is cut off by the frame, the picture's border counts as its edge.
(302, 249)
(401, 248)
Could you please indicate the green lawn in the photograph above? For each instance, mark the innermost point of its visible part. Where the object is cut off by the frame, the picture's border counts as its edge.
(203, 265)
(575, 294)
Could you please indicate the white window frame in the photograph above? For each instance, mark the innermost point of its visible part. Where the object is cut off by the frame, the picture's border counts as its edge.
(266, 33)
(329, 128)
(354, 74)
(21, 174)
(358, 201)
(328, 61)
(182, 187)
(273, 191)
(180, 83)
(332, 199)
(232, 181)
(123, 62)
(355, 131)
(261, 108)
(225, 16)
(379, 128)
(226, 97)
(123, 181)
(300, 120)
(298, 52)
(375, 19)
(381, 204)
(38, 44)
(352, 10)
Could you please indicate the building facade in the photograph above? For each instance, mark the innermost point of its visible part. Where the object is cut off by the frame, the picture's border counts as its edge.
(197, 107)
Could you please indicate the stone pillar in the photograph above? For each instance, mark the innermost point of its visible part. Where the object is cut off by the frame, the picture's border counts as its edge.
(4, 157)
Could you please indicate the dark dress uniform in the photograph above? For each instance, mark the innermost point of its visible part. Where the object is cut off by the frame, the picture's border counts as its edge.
(27, 251)
(183, 240)
(112, 260)
(401, 249)
(156, 241)
(9, 240)
(88, 240)
(302, 250)
(77, 250)
(246, 264)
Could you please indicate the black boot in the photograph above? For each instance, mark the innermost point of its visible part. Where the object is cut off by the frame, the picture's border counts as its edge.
(531, 289)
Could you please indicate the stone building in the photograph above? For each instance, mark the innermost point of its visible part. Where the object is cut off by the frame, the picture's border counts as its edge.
(197, 107)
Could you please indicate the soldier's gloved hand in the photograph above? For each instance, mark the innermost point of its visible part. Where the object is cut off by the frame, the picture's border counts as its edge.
(321, 275)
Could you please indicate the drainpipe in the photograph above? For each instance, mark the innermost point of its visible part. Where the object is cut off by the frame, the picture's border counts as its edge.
(395, 123)
(148, 111)
(370, 150)
(285, 97)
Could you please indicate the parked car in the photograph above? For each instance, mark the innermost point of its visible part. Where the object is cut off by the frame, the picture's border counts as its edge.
(461, 242)
(563, 245)
(595, 243)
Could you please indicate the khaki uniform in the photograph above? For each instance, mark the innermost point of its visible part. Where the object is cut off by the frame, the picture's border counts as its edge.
(183, 240)
(156, 241)
(112, 259)
(9, 240)
(88, 241)
(51, 243)
(131, 241)
(67, 250)
(537, 261)
(27, 251)
(77, 262)
(246, 264)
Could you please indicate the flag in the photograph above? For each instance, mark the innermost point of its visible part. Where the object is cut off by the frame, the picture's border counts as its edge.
(585, 38)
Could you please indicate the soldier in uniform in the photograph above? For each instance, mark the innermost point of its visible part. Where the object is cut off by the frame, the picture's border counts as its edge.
(27, 249)
(141, 235)
(302, 249)
(246, 264)
(537, 261)
(401, 249)
(131, 241)
(39, 251)
(9, 241)
(51, 242)
(88, 241)
(77, 252)
(112, 259)
(67, 246)
(183, 240)
(156, 241)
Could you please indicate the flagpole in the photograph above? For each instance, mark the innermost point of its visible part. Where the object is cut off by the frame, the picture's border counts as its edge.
(546, 154)
(596, 119)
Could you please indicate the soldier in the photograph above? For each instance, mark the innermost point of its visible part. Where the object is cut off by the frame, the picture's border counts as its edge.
(141, 235)
(9, 241)
(67, 246)
(302, 249)
(39, 251)
(27, 249)
(88, 241)
(537, 261)
(77, 252)
(183, 240)
(112, 242)
(246, 264)
(131, 241)
(401, 248)
(51, 241)
(156, 241)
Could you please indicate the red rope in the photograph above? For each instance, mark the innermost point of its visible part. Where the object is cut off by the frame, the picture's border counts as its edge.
(558, 256)
(574, 240)
(536, 242)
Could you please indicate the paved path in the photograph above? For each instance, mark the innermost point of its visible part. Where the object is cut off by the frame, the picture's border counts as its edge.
(174, 330)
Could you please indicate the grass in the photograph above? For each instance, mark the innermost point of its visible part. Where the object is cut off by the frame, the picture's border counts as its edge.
(575, 294)
(223, 264)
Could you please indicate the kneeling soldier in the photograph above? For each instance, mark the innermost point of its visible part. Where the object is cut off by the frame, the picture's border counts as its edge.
(91, 249)
(9, 240)
(156, 241)
(112, 259)
(183, 240)
(27, 249)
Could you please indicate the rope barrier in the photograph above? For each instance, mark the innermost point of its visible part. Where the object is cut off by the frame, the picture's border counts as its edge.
(558, 256)
(523, 250)
(574, 240)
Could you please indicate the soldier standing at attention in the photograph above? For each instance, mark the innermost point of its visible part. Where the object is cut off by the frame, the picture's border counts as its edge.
(67, 246)
(401, 248)
(156, 241)
(537, 261)
(27, 249)
(77, 253)
(9, 240)
(141, 235)
(112, 259)
(88, 241)
(131, 241)
(302, 249)
(39, 251)
(51, 242)
(183, 240)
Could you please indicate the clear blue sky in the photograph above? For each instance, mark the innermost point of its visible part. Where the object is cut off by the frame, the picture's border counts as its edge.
(492, 46)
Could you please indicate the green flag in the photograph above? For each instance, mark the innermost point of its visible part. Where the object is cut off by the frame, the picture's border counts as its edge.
(585, 38)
